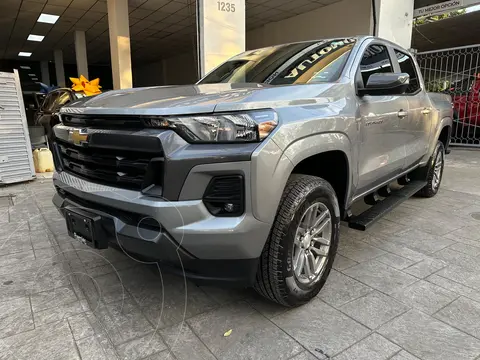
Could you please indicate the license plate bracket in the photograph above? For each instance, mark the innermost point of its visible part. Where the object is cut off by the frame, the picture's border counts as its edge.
(86, 227)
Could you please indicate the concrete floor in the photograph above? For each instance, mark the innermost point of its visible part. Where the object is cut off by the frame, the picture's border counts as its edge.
(409, 288)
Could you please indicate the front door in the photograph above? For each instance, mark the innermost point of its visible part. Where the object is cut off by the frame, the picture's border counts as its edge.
(381, 148)
(416, 128)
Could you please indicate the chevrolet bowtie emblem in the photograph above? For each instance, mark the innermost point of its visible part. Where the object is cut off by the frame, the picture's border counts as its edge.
(78, 136)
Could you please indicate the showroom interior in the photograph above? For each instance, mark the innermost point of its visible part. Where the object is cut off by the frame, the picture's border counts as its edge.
(162, 40)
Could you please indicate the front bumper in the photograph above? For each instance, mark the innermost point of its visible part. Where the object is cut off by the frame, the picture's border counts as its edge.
(189, 240)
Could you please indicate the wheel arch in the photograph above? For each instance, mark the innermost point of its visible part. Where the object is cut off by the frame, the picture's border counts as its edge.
(328, 156)
(443, 128)
(273, 166)
(338, 178)
(445, 135)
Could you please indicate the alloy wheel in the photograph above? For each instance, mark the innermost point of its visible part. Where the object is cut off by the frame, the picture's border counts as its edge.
(437, 170)
(312, 243)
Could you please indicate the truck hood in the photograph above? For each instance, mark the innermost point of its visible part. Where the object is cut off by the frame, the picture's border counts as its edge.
(193, 99)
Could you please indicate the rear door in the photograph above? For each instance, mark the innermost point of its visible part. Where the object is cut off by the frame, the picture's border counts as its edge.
(415, 128)
(381, 148)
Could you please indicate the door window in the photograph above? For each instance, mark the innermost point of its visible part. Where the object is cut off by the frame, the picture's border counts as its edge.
(375, 60)
(49, 101)
(62, 100)
(407, 65)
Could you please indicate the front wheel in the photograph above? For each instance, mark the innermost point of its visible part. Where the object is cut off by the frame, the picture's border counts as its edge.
(300, 250)
(434, 172)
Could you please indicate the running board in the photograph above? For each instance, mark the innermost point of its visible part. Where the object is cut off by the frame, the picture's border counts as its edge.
(368, 217)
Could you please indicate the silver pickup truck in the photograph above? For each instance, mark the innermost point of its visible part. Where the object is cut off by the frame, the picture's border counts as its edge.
(244, 177)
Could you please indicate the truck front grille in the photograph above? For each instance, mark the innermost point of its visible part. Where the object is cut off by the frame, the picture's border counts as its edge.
(120, 168)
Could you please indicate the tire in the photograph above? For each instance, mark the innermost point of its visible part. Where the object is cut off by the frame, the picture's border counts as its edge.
(275, 278)
(432, 187)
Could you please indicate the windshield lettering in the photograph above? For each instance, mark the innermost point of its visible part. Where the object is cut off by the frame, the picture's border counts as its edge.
(295, 63)
(306, 64)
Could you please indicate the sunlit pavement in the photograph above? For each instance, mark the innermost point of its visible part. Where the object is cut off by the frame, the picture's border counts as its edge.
(409, 288)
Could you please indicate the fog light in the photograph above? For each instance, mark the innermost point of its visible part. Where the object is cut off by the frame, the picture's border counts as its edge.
(224, 195)
(229, 207)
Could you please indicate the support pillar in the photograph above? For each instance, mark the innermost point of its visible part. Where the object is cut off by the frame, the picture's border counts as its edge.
(81, 53)
(222, 32)
(119, 32)
(45, 72)
(59, 71)
(394, 20)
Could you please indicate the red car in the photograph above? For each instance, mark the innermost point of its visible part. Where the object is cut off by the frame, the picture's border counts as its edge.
(466, 102)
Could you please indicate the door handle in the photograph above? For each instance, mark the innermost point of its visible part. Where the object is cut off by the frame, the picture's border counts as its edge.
(426, 111)
(402, 114)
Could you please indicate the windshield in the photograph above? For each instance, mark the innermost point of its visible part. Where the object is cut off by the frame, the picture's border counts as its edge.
(298, 63)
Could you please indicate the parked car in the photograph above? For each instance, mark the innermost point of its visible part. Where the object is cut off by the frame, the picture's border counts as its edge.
(466, 102)
(244, 177)
(47, 114)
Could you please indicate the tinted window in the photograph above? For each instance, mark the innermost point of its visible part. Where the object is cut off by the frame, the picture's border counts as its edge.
(407, 66)
(375, 60)
(299, 63)
(49, 101)
(62, 100)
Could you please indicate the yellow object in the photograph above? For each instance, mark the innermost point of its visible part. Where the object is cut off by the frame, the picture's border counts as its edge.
(228, 333)
(43, 160)
(89, 88)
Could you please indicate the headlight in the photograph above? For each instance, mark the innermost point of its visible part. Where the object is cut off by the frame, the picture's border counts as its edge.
(232, 127)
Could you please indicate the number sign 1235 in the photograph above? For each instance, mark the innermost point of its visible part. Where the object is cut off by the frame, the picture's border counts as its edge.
(225, 6)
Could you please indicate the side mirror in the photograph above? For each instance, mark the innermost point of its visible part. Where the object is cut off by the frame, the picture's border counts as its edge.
(386, 84)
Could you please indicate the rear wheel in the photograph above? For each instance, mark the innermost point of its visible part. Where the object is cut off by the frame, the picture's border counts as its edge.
(434, 172)
(300, 250)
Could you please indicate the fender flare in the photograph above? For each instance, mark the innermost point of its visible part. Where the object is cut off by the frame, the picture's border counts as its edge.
(319, 143)
(445, 122)
(266, 203)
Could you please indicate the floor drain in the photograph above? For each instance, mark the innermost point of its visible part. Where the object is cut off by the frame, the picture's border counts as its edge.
(475, 215)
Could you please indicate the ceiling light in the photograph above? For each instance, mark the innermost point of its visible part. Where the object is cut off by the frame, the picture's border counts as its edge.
(32, 75)
(25, 67)
(23, 53)
(34, 78)
(48, 18)
(35, 37)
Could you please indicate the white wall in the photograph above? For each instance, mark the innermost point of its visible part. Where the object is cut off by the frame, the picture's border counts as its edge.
(221, 32)
(395, 20)
(344, 18)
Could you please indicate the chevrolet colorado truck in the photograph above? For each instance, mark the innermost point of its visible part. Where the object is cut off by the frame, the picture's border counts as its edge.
(244, 177)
